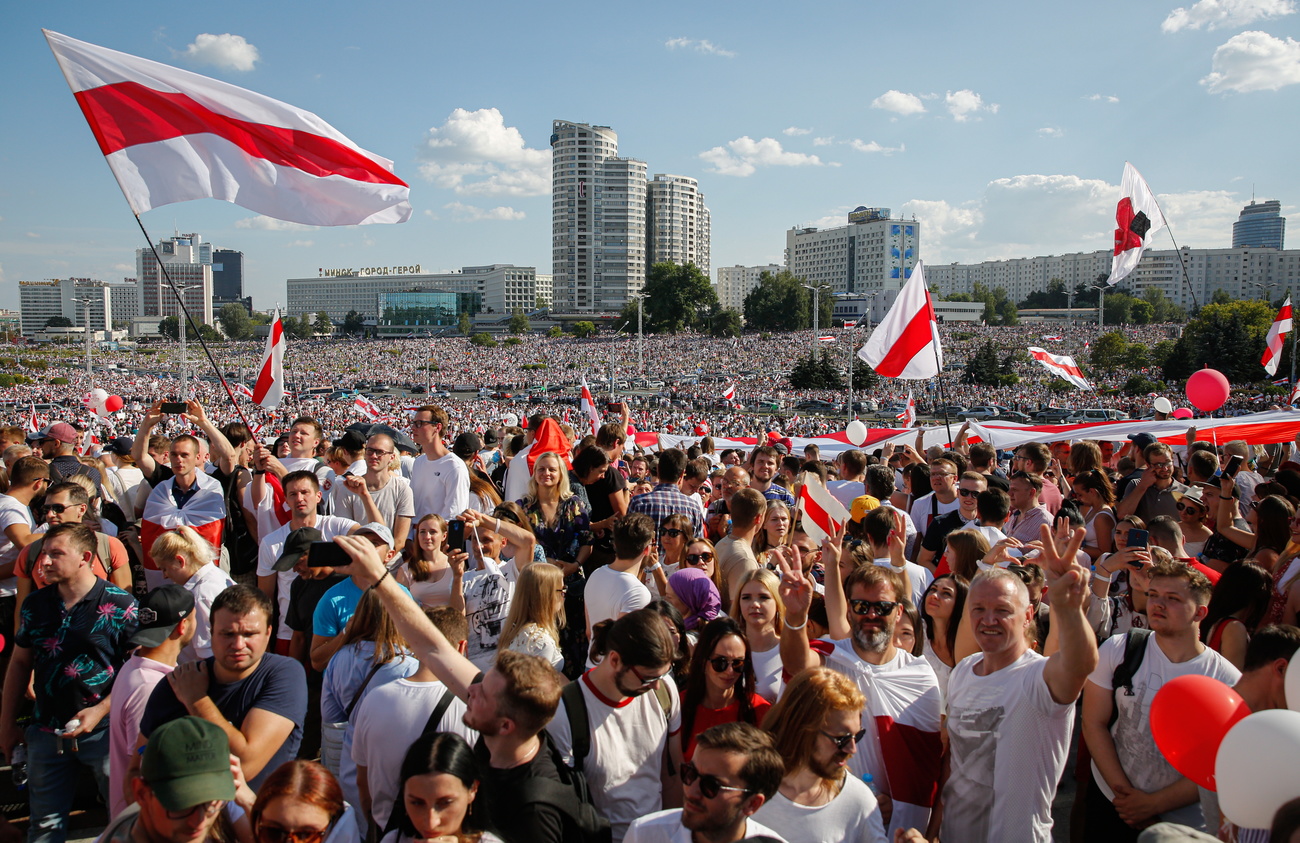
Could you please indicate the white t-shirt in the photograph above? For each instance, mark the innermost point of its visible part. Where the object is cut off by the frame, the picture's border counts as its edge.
(927, 506)
(666, 827)
(12, 511)
(918, 577)
(393, 500)
(487, 603)
(323, 472)
(767, 673)
(1008, 741)
(271, 548)
(518, 474)
(853, 816)
(628, 742)
(440, 487)
(845, 491)
(205, 584)
(386, 722)
(610, 594)
(1142, 761)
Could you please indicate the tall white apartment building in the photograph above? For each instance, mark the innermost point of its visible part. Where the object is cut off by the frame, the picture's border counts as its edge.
(189, 263)
(598, 220)
(736, 282)
(677, 223)
(41, 301)
(873, 253)
(126, 300)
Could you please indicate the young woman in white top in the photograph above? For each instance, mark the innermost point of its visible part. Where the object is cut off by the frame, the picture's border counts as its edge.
(536, 613)
(1096, 496)
(941, 610)
(758, 606)
(428, 572)
(185, 558)
(440, 779)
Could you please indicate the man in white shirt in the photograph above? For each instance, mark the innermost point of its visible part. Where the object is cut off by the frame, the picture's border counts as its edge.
(734, 771)
(615, 589)
(29, 477)
(878, 525)
(852, 467)
(940, 501)
(439, 478)
(1132, 783)
(391, 492)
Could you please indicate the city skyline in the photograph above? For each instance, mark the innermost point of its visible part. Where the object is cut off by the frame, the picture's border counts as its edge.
(1002, 128)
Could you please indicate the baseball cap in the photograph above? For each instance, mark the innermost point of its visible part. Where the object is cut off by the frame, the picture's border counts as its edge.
(1142, 440)
(159, 612)
(120, 446)
(187, 763)
(295, 545)
(467, 444)
(381, 531)
(61, 432)
(862, 504)
(490, 438)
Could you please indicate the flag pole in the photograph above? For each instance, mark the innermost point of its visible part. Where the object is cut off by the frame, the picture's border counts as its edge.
(943, 402)
(1181, 263)
(180, 300)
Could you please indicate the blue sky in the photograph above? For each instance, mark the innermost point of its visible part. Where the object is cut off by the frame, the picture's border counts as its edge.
(1002, 126)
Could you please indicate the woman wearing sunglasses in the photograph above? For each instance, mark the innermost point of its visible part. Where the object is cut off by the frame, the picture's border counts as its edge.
(1191, 519)
(720, 688)
(301, 803)
(700, 553)
(674, 535)
(694, 595)
(440, 779)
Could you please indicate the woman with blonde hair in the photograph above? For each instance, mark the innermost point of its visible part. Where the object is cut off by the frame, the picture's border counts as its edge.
(559, 518)
(536, 613)
(186, 558)
(777, 529)
(427, 571)
(758, 606)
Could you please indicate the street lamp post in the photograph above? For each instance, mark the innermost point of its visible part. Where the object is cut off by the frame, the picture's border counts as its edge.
(181, 289)
(816, 291)
(86, 301)
(640, 333)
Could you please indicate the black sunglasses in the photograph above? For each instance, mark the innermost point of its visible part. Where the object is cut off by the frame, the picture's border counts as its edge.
(968, 493)
(697, 558)
(710, 786)
(865, 607)
(721, 663)
(842, 741)
(60, 508)
(672, 533)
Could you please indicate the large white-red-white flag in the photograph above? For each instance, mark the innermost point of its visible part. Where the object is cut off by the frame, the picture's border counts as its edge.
(908, 416)
(1060, 365)
(205, 512)
(906, 342)
(268, 391)
(1137, 219)
(1276, 338)
(588, 406)
(170, 135)
(823, 515)
(729, 394)
(366, 407)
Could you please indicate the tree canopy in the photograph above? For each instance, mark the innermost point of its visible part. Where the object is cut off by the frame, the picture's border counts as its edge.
(780, 302)
(677, 297)
(1228, 336)
(518, 323)
(235, 321)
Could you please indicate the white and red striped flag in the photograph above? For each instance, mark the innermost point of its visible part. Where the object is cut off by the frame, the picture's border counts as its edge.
(588, 406)
(366, 407)
(242, 390)
(1053, 337)
(170, 135)
(851, 323)
(1276, 338)
(823, 515)
(33, 423)
(205, 512)
(1295, 394)
(908, 416)
(268, 391)
(89, 442)
(827, 338)
(1062, 366)
(906, 342)
(1137, 219)
(729, 394)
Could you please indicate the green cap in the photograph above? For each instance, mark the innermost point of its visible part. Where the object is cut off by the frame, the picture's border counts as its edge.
(187, 763)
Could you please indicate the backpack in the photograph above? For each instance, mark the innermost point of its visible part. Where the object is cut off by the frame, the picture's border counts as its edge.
(1135, 649)
(102, 549)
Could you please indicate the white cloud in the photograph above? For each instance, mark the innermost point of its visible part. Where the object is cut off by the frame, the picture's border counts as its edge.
(824, 141)
(300, 244)
(963, 104)
(872, 146)
(31, 235)
(263, 223)
(704, 46)
(794, 131)
(742, 156)
(1051, 132)
(1225, 14)
(471, 213)
(1102, 98)
(1254, 61)
(899, 102)
(476, 154)
(229, 52)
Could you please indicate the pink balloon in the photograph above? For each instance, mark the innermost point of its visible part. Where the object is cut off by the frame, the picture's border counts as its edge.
(1208, 389)
(1182, 413)
(114, 403)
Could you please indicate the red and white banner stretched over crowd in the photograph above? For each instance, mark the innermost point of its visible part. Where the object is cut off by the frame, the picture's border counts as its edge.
(268, 391)
(906, 342)
(1061, 365)
(1276, 338)
(1137, 219)
(170, 135)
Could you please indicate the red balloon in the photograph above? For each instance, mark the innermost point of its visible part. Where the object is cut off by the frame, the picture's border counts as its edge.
(1208, 389)
(702, 429)
(113, 404)
(1189, 717)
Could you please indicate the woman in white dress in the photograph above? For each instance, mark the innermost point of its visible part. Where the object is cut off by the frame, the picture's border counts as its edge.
(427, 572)
(537, 613)
(758, 606)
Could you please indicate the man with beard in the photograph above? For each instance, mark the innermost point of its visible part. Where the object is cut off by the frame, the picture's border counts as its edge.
(763, 464)
(508, 706)
(815, 727)
(733, 773)
(901, 749)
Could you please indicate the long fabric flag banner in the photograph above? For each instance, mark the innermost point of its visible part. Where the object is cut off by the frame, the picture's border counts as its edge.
(1061, 365)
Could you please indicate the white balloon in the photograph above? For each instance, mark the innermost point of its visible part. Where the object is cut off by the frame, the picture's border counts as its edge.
(1292, 685)
(1163, 405)
(1258, 766)
(856, 432)
(98, 397)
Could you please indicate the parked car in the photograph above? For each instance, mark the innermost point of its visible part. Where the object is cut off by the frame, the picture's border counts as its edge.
(815, 405)
(979, 413)
(949, 409)
(1013, 416)
(1053, 415)
(1092, 415)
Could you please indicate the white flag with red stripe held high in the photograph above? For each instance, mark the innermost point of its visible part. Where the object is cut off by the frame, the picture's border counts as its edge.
(1137, 219)
(268, 391)
(1276, 338)
(366, 407)
(242, 390)
(906, 342)
(170, 135)
(588, 406)
(729, 394)
(823, 515)
(908, 416)
(1062, 366)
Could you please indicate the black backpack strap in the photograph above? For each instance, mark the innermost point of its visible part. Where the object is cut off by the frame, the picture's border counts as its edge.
(444, 703)
(593, 827)
(575, 708)
(1135, 649)
(356, 698)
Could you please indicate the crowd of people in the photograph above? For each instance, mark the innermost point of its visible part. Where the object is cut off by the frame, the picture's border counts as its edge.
(442, 626)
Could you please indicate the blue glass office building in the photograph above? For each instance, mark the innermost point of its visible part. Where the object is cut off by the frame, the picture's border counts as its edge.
(1260, 224)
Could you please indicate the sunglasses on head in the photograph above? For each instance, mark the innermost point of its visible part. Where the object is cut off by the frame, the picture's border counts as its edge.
(866, 607)
(710, 786)
(721, 663)
(842, 741)
(673, 533)
(697, 558)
